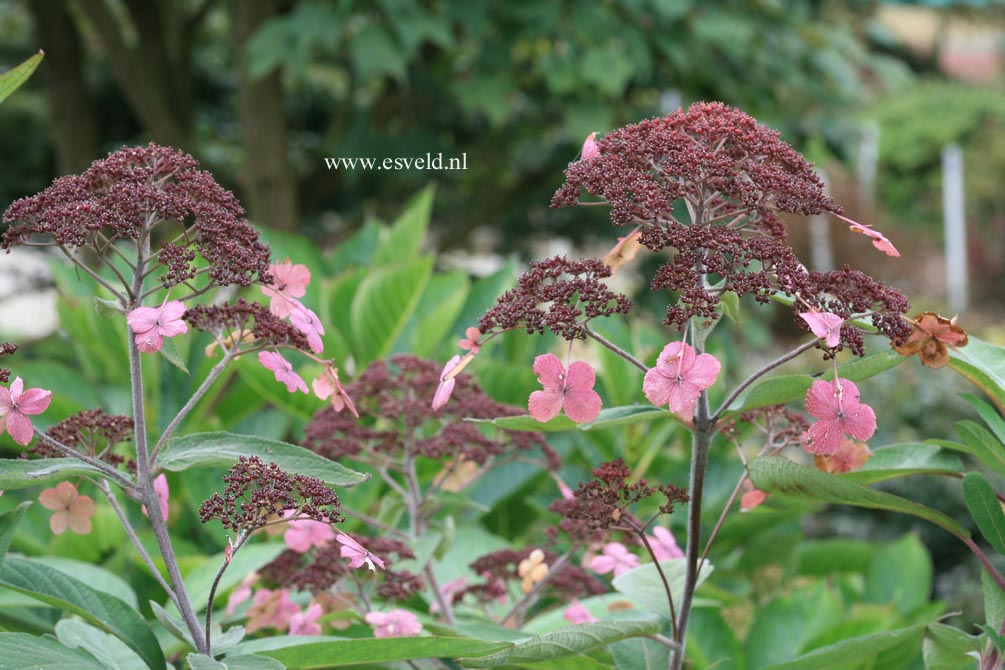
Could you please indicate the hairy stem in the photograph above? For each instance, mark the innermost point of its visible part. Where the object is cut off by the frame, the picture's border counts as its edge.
(107, 470)
(214, 373)
(241, 538)
(765, 369)
(616, 349)
(666, 584)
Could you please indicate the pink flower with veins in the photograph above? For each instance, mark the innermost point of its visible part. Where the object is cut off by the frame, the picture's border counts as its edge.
(615, 557)
(302, 534)
(289, 282)
(283, 371)
(305, 623)
(153, 324)
(664, 545)
(878, 239)
(824, 325)
(752, 498)
(396, 623)
(241, 592)
(16, 405)
(576, 614)
(308, 323)
(271, 608)
(836, 407)
(679, 378)
(162, 491)
(590, 148)
(72, 510)
(357, 553)
(470, 341)
(574, 391)
(327, 385)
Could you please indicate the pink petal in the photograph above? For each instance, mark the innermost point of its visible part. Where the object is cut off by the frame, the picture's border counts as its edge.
(577, 614)
(16, 389)
(149, 342)
(58, 522)
(20, 428)
(670, 362)
(545, 405)
(581, 376)
(142, 319)
(582, 406)
(323, 387)
(34, 401)
(550, 371)
(704, 372)
(590, 148)
(603, 564)
(163, 493)
(656, 386)
(446, 386)
(683, 399)
(80, 514)
(859, 421)
(273, 361)
(824, 325)
(821, 399)
(824, 437)
(59, 497)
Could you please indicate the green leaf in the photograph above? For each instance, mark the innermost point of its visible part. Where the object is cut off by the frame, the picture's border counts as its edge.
(403, 240)
(243, 662)
(644, 586)
(901, 574)
(564, 642)
(8, 524)
(172, 624)
(383, 304)
(729, 305)
(786, 388)
(848, 653)
(112, 652)
(988, 414)
(374, 53)
(902, 460)
(12, 79)
(826, 557)
(781, 476)
(358, 250)
(63, 591)
(342, 653)
(710, 644)
(608, 418)
(20, 651)
(948, 648)
(784, 627)
(95, 576)
(483, 295)
(984, 364)
(529, 423)
(222, 450)
(435, 314)
(982, 443)
(19, 473)
(985, 508)
(994, 600)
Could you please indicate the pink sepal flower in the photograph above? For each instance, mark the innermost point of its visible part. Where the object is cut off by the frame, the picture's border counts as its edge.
(615, 557)
(308, 323)
(71, 510)
(824, 325)
(271, 608)
(16, 404)
(396, 623)
(447, 591)
(302, 534)
(470, 341)
(577, 614)
(679, 378)
(152, 324)
(590, 148)
(878, 239)
(574, 391)
(836, 407)
(664, 544)
(283, 371)
(448, 378)
(752, 498)
(289, 281)
(305, 623)
(162, 491)
(241, 592)
(357, 553)
(327, 385)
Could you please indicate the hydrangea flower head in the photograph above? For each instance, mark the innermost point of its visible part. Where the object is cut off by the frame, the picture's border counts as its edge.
(70, 509)
(573, 391)
(16, 405)
(838, 412)
(679, 377)
(152, 324)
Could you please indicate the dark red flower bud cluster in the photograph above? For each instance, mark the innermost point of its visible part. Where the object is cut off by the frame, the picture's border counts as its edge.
(91, 432)
(780, 425)
(6, 349)
(257, 493)
(246, 317)
(500, 567)
(558, 295)
(134, 189)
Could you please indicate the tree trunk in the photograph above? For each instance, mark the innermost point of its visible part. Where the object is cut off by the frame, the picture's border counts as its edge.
(269, 190)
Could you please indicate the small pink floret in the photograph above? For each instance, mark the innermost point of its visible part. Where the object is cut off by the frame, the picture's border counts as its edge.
(447, 382)
(615, 558)
(283, 371)
(573, 391)
(590, 148)
(152, 324)
(16, 405)
(288, 281)
(824, 325)
(679, 377)
(838, 411)
(396, 623)
(357, 553)
(71, 510)
(577, 614)
(306, 622)
(664, 544)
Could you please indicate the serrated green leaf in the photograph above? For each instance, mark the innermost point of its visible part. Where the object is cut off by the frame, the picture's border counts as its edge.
(563, 643)
(342, 653)
(8, 524)
(403, 240)
(243, 662)
(902, 460)
(64, 591)
(20, 651)
(781, 476)
(12, 79)
(222, 450)
(983, 364)
(18, 473)
(985, 509)
(644, 585)
(112, 652)
(982, 443)
(848, 653)
(383, 304)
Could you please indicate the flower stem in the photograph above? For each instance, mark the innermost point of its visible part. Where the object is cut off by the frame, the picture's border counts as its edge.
(616, 349)
(768, 367)
(214, 373)
(241, 538)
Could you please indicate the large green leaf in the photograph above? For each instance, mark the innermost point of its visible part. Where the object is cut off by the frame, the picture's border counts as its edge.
(608, 418)
(243, 662)
(983, 444)
(900, 574)
(19, 473)
(948, 648)
(20, 651)
(403, 240)
(61, 590)
(8, 524)
(435, 314)
(644, 586)
(563, 643)
(903, 460)
(95, 576)
(984, 364)
(986, 509)
(786, 388)
(216, 450)
(710, 644)
(342, 653)
(383, 304)
(12, 79)
(781, 476)
(849, 653)
(988, 414)
(112, 652)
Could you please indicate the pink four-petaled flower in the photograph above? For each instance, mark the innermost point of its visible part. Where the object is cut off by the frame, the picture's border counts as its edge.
(357, 553)
(302, 534)
(836, 407)
(152, 324)
(283, 370)
(289, 282)
(664, 544)
(308, 323)
(327, 385)
(573, 391)
(306, 622)
(71, 509)
(615, 557)
(824, 325)
(16, 404)
(679, 378)
(396, 623)
(470, 341)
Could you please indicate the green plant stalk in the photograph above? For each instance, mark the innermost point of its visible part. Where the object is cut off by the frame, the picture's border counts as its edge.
(241, 539)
